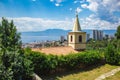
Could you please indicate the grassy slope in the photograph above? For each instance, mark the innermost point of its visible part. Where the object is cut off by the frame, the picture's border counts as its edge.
(114, 77)
(88, 74)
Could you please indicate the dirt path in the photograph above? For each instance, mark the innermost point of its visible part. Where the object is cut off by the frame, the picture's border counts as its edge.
(36, 77)
(56, 50)
(112, 72)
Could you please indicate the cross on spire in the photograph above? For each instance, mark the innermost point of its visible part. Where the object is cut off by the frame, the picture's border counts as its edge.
(76, 27)
(76, 12)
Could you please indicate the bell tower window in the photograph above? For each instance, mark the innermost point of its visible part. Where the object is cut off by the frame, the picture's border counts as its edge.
(71, 38)
(80, 38)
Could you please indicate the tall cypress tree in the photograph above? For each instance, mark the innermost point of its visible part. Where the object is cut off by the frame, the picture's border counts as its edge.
(9, 40)
(118, 32)
(12, 54)
(9, 37)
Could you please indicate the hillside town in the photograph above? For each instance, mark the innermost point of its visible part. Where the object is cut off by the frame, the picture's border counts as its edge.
(59, 39)
(63, 41)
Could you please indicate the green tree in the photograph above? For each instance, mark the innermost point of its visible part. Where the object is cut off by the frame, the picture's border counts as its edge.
(112, 53)
(9, 37)
(118, 32)
(5, 74)
(22, 68)
(12, 54)
(9, 40)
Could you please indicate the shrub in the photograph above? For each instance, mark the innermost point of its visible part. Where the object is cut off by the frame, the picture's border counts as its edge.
(5, 74)
(44, 64)
(112, 54)
(14, 66)
(91, 57)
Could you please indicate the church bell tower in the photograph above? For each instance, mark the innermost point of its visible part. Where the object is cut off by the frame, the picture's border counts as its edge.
(77, 38)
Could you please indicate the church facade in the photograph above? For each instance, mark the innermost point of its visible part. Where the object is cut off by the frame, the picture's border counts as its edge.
(77, 38)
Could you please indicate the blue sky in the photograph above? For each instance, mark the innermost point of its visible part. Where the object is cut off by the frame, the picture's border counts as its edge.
(38, 15)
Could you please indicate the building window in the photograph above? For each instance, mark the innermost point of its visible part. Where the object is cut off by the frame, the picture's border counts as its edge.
(71, 38)
(80, 38)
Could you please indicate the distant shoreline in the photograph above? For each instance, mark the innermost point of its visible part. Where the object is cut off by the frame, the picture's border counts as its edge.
(52, 35)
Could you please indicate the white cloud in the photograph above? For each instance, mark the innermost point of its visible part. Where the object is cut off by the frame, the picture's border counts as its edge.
(84, 5)
(78, 10)
(79, 1)
(93, 6)
(75, 2)
(33, 0)
(112, 5)
(59, 1)
(57, 4)
(70, 9)
(82, 1)
(92, 22)
(51, 0)
(40, 24)
(104, 9)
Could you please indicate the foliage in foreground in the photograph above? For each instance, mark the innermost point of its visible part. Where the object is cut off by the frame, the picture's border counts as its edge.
(112, 54)
(86, 74)
(52, 63)
(118, 32)
(44, 64)
(13, 64)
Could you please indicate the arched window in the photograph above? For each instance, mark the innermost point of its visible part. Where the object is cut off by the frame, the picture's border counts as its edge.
(71, 38)
(80, 38)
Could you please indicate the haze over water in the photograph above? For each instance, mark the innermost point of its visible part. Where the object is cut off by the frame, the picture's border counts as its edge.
(28, 37)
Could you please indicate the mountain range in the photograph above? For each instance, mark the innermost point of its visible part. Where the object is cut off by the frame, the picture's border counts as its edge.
(53, 34)
(61, 32)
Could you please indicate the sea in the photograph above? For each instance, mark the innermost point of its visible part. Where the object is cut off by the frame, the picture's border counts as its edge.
(28, 37)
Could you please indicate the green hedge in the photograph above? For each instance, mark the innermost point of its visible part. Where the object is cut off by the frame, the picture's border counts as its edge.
(112, 53)
(51, 63)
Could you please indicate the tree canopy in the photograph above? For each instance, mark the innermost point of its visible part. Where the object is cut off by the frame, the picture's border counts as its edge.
(9, 37)
(118, 32)
(14, 65)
